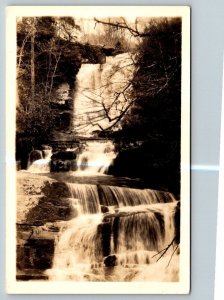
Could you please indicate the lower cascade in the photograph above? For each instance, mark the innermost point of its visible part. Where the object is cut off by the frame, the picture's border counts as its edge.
(116, 235)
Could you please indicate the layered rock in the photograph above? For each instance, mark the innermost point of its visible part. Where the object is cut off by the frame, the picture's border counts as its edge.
(42, 206)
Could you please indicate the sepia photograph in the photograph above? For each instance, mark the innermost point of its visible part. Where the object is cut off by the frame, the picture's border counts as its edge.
(98, 147)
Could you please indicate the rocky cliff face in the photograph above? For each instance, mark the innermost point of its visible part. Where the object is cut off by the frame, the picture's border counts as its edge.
(42, 206)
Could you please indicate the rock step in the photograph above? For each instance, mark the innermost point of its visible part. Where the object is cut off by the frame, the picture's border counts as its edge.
(27, 275)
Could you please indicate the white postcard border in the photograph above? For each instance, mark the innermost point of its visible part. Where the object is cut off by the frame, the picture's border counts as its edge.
(17, 287)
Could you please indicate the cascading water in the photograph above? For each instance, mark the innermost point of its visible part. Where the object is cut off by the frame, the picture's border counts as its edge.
(98, 85)
(126, 237)
(41, 165)
(95, 158)
(118, 232)
(88, 197)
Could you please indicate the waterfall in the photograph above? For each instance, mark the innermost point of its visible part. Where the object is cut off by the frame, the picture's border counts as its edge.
(128, 235)
(92, 196)
(117, 232)
(95, 158)
(113, 195)
(98, 85)
(87, 196)
(41, 165)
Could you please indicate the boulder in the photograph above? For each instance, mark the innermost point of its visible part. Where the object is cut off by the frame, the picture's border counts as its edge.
(110, 260)
(104, 209)
(63, 161)
(63, 165)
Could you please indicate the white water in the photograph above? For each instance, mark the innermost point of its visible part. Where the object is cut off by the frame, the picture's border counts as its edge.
(122, 196)
(121, 244)
(95, 158)
(98, 85)
(91, 196)
(133, 233)
(87, 195)
(41, 165)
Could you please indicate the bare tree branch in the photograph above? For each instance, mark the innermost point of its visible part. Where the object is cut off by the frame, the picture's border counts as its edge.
(164, 251)
(134, 31)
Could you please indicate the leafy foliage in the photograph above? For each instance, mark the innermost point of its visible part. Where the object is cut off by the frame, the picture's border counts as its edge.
(150, 135)
(157, 81)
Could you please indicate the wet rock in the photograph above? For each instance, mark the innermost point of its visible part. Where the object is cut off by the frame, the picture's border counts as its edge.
(64, 155)
(63, 161)
(63, 165)
(104, 232)
(104, 209)
(110, 261)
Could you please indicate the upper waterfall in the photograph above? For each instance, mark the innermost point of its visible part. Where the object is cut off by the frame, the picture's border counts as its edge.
(102, 93)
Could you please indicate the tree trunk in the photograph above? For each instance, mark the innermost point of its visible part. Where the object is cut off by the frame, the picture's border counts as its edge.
(33, 60)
